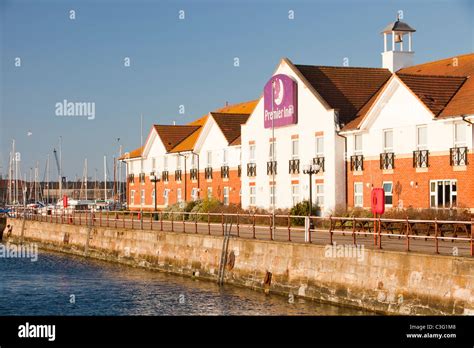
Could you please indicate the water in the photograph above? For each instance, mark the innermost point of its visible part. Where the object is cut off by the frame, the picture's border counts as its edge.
(45, 287)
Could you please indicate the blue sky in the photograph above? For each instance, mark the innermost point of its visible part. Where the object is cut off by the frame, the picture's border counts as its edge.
(177, 62)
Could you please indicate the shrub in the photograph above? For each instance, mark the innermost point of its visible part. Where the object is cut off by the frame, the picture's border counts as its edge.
(302, 209)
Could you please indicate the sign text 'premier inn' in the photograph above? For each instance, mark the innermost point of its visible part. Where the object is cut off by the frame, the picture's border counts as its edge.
(280, 101)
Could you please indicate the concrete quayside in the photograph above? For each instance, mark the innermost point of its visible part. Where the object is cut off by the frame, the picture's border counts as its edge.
(389, 282)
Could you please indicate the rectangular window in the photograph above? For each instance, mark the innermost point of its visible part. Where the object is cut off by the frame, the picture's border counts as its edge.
(132, 197)
(165, 163)
(358, 144)
(194, 193)
(178, 162)
(209, 192)
(224, 157)
(320, 195)
(443, 193)
(388, 190)
(166, 196)
(272, 195)
(271, 151)
(226, 195)
(193, 161)
(388, 140)
(153, 196)
(153, 164)
(295, 149)
(179, 198)
(460, 131)
(142, 197)
(209, 158)
(295, 194)
(131, 167)
(252, 153)
(358, 194)
(252, 195)
(320, 146)
(421, 137)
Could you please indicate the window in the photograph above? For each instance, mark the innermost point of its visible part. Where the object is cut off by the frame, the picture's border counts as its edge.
(132, 197)
(272, 195)
(178, 162)
(226, 195)
(179, 198)
(294, 149)
(153, 196)
(142, 197)
(166, 196)
(272, 151)
(209, 158)
(252, 195)
(193, 161)
(320, 195)
(194, 193)
(224, 157)
(388, 190)
(165, 163)
(388, 140)
(295, 194)
(209, 192)
(460, 134)
(358, 194)
(443, 193)
(358, 144)
(319, 146)
(421, 137)
(252, 153)
(153, 164)
(131, 167)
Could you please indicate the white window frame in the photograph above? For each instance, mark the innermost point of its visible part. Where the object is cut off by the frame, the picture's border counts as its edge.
(178, 162)
(272, 195)
(388, 194)
(462, 142)
(359, 194)
(319, 146)
(142, 196)
(153, 196)
(132, 197)
(153, 164)
(209, 192)
(386, 147)
(295, 149)
(166, 196)
(272, 150)
(419, 144)
(194, 193)
(209, 158)
(193, 161)
(358, 151)
(434, 193)
(252, 195)
(225, 158)
(320, 195)
(165, 163)
(179, 195)
(252, 151)
(295, 194)
(226, 195)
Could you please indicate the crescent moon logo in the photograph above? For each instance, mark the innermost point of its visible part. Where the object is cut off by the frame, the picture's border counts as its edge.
(278, 92)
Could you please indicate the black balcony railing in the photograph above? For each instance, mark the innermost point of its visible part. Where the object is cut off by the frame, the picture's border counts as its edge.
(319, 160)
(177, 175)
(421, 159)
(357, 163)
(294, 166)
(239, 170)
(208, 172)
(142, 177)
(131, 178)
(458, 156)
(271, 167)
(387, 160)
(164, 176)
(251, 169)
(193, 174)
(225, 172)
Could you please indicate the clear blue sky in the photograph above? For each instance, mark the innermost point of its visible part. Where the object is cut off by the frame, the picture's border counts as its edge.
(179, 62)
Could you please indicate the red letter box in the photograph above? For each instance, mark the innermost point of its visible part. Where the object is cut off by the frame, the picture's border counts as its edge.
(378, 201)
(65, 201)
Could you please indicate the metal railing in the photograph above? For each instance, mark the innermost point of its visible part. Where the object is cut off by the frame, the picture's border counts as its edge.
(251, 169)
(421, 159)
(193, 174)
(165, 176)
(225, 172)
(271, 167)
(357, 163)
(294, 166)
(319, 160)
(440, 236)
(208, 172)
(458, 156)
(177, 175)
(387, 160)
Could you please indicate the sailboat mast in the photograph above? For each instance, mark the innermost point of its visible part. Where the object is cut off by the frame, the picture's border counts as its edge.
(105, 178)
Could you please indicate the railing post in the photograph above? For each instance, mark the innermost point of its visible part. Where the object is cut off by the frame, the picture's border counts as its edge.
(161, 221)
(380, 234)
(408, 235)
(238, 227)
(208, 224)
(123, 219)
(253, 226)
(172, 221)
(330, 230)
(151, 222)
(107, 217)
(222, 222)
(353, 231)
(436, 236)
(289, 228)
(184, 224)
(100, 220)
(195, 223)
(271, 223)
(132, 218)
(309, 229)
(116, 218)
(87, 219)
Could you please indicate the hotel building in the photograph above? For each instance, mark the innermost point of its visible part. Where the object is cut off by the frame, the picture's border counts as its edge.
(403, 127)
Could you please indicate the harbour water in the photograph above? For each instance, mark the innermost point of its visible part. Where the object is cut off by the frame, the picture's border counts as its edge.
(59, 284)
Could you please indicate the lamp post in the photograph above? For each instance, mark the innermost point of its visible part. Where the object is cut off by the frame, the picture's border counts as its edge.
(311, 169)
(154, 179)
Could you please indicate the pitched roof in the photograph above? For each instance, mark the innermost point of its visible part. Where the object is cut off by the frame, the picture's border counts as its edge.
(240, 108)
(398, 26)
(462, 103)
(346, 89)
(172, 135)
(230, 124)
(434, 91)
(132, 154)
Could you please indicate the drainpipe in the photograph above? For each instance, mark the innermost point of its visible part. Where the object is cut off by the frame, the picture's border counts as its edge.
(345, 167)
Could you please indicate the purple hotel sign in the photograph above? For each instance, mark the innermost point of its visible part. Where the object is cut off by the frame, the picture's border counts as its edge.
(280, 101)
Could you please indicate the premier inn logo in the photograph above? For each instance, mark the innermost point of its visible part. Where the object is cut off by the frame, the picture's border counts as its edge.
(37, 331)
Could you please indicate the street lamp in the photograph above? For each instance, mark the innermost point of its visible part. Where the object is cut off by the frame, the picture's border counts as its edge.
(154, 179)
(311, 169)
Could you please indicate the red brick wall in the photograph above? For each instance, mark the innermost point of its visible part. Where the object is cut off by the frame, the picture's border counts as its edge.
(217, 183)
(417, 196)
